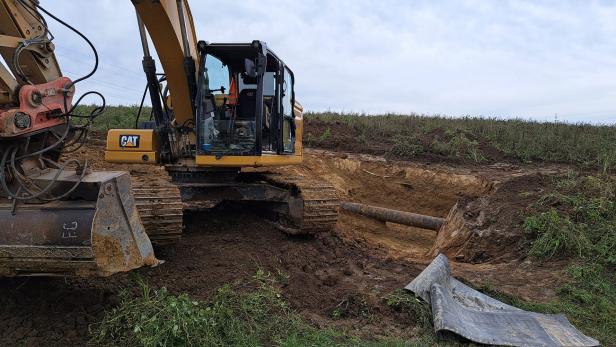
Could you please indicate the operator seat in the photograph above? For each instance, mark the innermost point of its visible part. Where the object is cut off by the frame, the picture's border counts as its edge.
(247, 104)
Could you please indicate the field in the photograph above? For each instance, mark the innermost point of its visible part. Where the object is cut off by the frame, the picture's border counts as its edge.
(421, 137)
(542, 195)
(476, 140)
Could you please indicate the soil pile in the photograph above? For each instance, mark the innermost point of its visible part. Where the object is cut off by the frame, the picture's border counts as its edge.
(489, 228)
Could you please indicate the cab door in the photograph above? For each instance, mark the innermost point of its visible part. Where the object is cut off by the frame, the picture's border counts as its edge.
(288, 117)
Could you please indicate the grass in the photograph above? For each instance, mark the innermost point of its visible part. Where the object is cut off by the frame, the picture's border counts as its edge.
(239, 314)
(577, 220)
(417, 310)
(472, 139)
(477, 139)
(115, 117)
(231, 318)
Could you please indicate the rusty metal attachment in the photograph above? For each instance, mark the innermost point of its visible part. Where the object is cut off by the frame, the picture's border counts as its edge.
(394, 216)
(96, 232)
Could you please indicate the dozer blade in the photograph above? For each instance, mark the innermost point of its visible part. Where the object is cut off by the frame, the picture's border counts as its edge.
(97, 231)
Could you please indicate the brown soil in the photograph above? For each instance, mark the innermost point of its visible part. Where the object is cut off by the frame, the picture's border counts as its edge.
(496, 220)
(220, 247)
(345, 138)
(361, 262)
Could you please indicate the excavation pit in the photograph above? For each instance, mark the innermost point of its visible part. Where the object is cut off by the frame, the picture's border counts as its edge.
(358, 265)
(422, 189)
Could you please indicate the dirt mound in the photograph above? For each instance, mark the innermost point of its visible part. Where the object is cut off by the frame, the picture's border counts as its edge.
(340, 136)
(489, 228)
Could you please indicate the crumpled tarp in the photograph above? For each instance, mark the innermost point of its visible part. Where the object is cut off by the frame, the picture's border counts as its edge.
(459, 309)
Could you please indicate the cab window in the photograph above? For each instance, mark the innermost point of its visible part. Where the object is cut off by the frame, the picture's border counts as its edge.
(218, 75)
(269, 83)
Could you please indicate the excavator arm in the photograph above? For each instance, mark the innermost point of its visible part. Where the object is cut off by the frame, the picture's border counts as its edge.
(170, 25)
(24, 41)
(57, 217)
(8, 86)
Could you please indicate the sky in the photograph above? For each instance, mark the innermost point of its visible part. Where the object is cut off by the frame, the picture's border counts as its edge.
(541, 60)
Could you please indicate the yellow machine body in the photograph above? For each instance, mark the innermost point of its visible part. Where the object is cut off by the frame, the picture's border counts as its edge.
(132, 146)
(140, 146)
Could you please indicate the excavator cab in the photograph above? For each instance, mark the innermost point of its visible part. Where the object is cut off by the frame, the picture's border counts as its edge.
(244, 103)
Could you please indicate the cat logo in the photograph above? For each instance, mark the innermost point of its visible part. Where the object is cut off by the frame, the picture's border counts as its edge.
(129, 141)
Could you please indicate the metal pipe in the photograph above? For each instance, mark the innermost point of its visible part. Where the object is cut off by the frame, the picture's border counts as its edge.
(183, 28)
(144, 37)
(394, 216)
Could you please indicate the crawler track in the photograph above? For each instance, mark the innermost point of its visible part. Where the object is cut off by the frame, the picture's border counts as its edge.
(160, 207)
(317, 208)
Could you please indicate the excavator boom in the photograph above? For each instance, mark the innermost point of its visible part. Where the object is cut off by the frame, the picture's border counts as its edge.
(170, 26)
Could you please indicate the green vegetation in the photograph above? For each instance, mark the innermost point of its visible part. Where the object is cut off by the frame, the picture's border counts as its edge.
(115, 117)
(326, 134)
(477, 139)
(232, 317)
(240, 314)
(469, 138)
(578, 220)
(412, 306)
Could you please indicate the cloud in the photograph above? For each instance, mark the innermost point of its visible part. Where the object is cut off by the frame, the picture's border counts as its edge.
(513, 58)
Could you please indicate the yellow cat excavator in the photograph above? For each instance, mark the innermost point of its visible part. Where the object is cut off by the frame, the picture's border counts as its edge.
(217, 108)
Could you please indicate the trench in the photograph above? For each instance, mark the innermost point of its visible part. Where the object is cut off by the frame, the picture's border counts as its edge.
(431, 191)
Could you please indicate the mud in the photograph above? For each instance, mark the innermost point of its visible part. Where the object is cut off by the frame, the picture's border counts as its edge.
(220, 247)
(354, 267)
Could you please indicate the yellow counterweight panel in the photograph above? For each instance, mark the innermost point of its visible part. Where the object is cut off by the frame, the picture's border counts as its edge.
(248, 161)
(132, 146)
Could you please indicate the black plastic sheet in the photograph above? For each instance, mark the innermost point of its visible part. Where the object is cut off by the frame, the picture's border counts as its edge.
(459, 309)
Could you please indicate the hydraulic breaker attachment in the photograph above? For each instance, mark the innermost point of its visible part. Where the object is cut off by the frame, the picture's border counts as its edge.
(95, 231)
